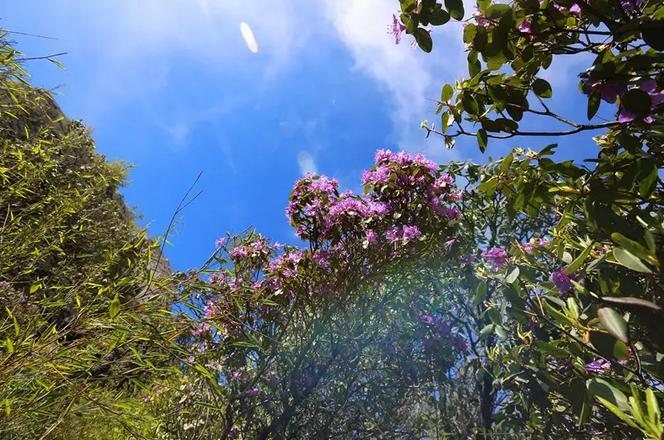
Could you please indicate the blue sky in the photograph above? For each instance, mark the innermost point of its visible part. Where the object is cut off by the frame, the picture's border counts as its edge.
(171, 87)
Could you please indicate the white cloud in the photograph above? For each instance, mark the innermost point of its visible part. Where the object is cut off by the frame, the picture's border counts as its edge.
(136, 47)
(409, 75)
(306, 162)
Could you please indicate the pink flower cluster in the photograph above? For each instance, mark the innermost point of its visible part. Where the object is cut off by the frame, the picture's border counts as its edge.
(405, 206)
(395, 185)
(496, 257)
(610, 91)
(532, 245)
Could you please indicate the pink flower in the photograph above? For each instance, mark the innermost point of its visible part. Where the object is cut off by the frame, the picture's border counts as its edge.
(449, 243)
(220, 242)
(562, 281)
(497, 257)
(392, 234)
(599, 366)
(410, 232)
(251, 393)
(372, 237)
(452, 213)
(426, 319)
(631, 5)
(396, 29)
(525, 27)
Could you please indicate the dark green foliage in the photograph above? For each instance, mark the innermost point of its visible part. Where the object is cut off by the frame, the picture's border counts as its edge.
(70, 257)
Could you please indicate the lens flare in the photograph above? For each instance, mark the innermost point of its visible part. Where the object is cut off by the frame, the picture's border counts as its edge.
(249, 37)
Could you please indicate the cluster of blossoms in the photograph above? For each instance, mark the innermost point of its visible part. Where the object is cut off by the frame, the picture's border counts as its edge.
(402, 191)
(397, 28)
(525, 26)
(562, 281)
(496, 257)
(602, 366)
(612, 91)
(258, 248)
(532, 245)
(406, 200)
(441, 332)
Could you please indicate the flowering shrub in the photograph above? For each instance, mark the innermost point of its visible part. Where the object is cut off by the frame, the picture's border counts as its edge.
(569, 315)
(527, 305)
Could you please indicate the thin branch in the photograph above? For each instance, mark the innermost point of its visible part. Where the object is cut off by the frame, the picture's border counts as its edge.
(182, 205)
(30, 35)
(580, 128)
(46, 57)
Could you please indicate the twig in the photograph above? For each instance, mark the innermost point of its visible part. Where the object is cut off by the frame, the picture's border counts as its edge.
(46, 57)
(30, 35)
(182, 205)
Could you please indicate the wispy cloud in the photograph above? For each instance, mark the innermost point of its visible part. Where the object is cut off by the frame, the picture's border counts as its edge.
(140, 47)
(406, 74)
(306, 162)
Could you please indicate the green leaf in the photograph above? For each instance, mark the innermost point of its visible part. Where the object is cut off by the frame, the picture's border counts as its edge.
(630, 261)
(455, 8)
(439, 17)
(601, 388)
(495, 316)
(631, 301)
(483, 4)
(474, 64)
(423, 39)
(480, 293)
(636, 405)
(482, 139)
(9, 345)
(654, 37)
(572, 307)
(114, 308)
(647, 177)
(650, 240)
(469, 33)
(444, 122)
(594, 101)
(412, 24)
(634, 247)
(557, 316)
(481, 39)
(608, 346)
(497, 10)
(551, 349)
(578, 261)
(486, 331)
(548, 150)
(469, 103)
(512, 276)
(636, 101)
(35, 287)
(542, 88)
(653, 407)
(447, 93)
(507, 125)
(515, 112)
(615, 410)
(614, 323)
